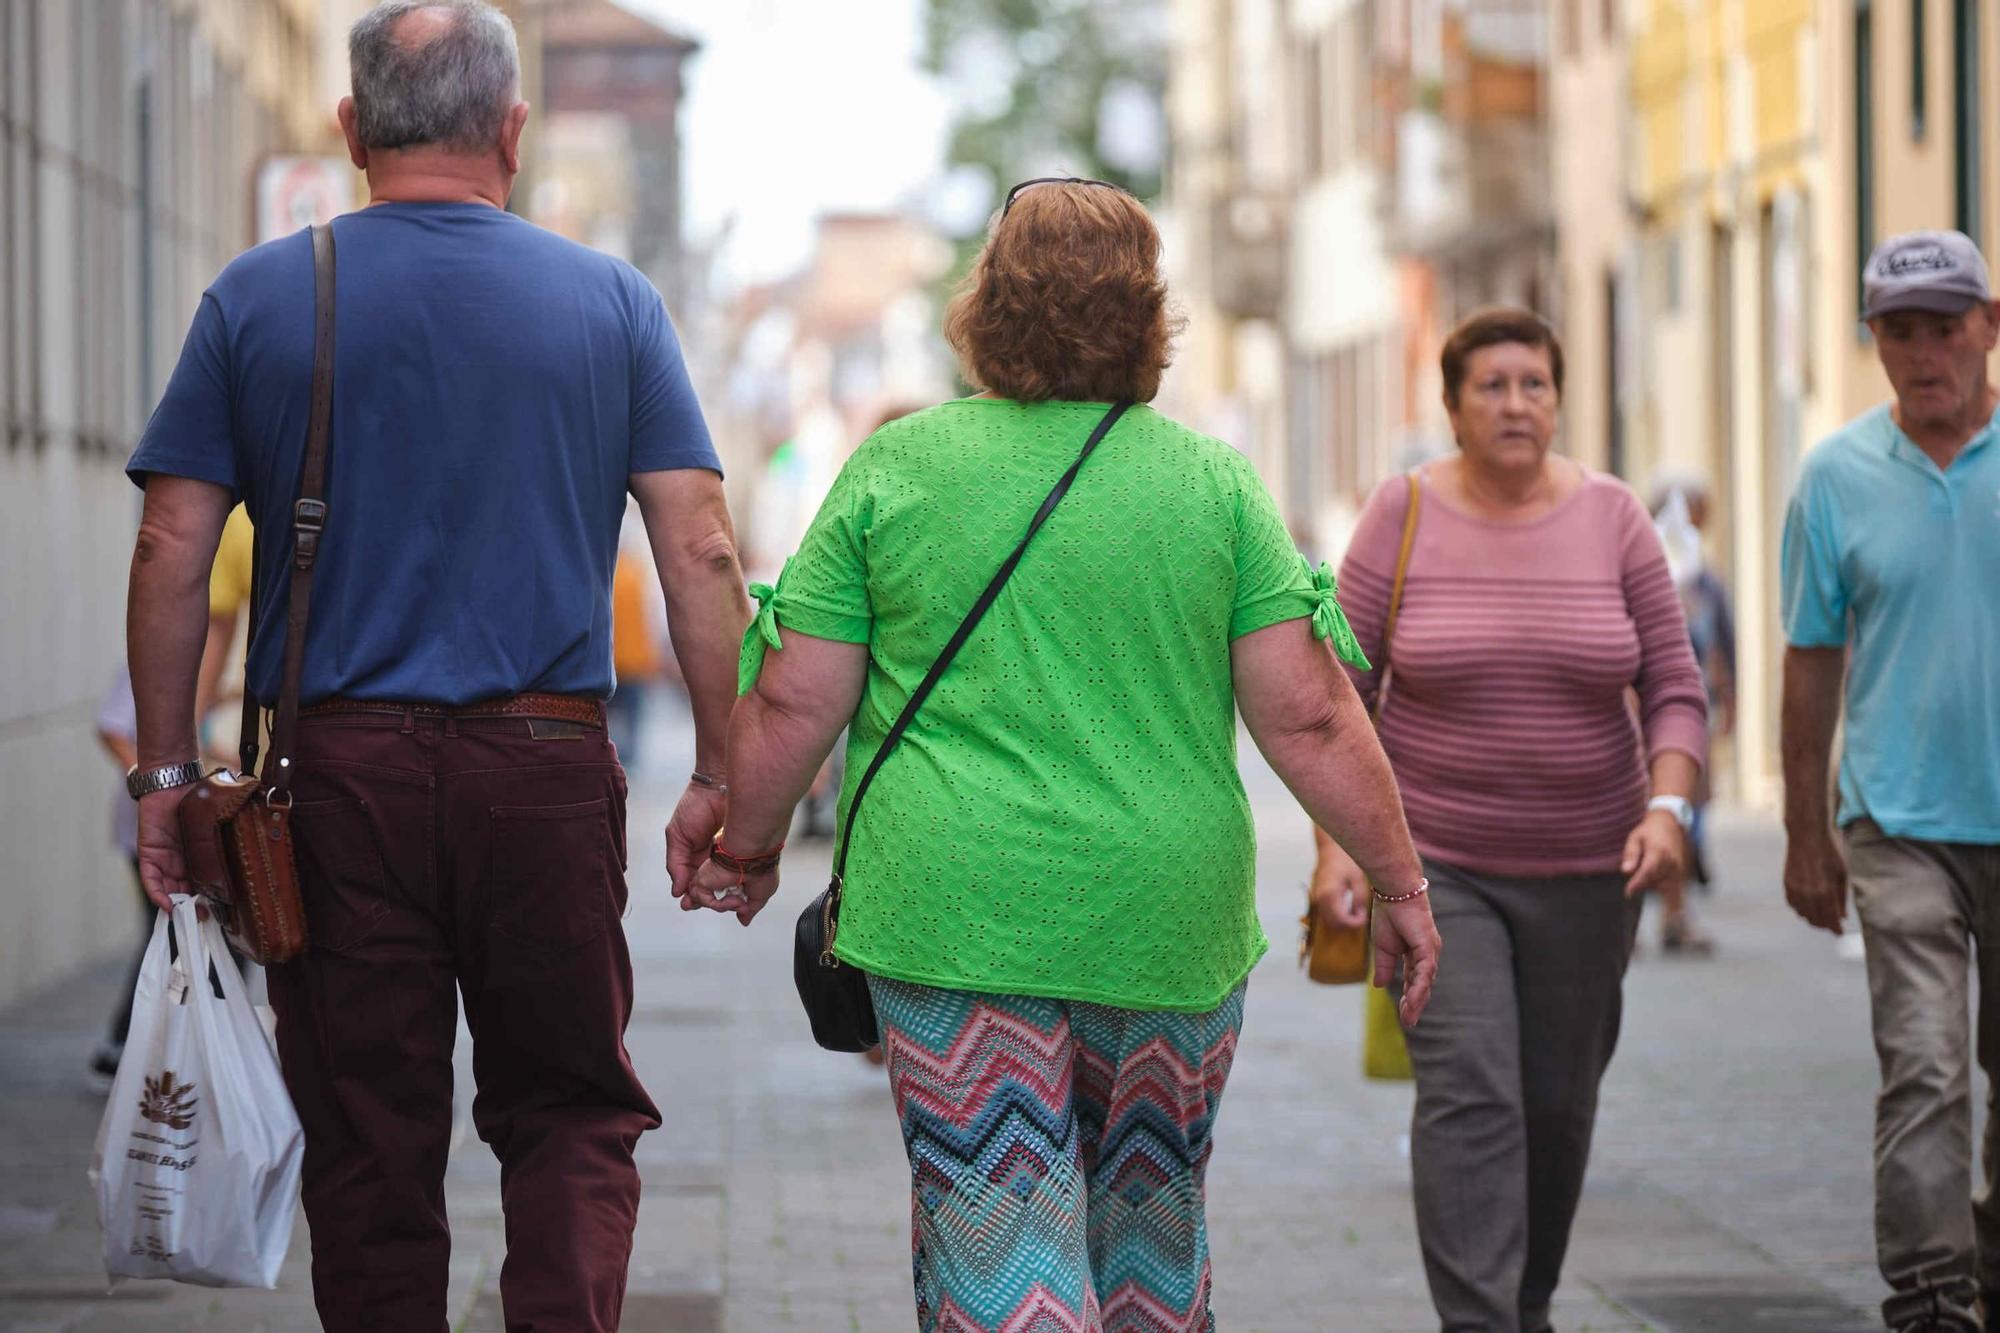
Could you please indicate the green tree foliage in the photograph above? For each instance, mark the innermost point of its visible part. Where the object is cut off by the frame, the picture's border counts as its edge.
(1058, 62)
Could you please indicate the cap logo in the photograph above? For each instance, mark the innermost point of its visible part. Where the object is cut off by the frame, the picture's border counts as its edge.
(1930, 259)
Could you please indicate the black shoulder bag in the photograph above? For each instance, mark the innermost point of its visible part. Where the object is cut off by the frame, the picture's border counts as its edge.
(836, 995)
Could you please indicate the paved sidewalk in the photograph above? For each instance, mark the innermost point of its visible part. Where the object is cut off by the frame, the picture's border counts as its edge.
(1729, 1189)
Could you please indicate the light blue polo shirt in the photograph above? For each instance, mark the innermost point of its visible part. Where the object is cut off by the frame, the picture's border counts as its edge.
(1884, 550)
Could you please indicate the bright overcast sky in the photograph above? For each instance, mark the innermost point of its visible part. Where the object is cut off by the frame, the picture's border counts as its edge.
(795, 108)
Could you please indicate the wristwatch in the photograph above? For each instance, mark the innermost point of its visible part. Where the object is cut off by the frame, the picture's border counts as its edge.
(168, 776)
(1678, 806)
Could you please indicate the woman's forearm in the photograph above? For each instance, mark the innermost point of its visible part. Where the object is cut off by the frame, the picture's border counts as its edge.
(1342, 778)
(1305, 716)
(1674, 773)
(780, 732)
(773, 757)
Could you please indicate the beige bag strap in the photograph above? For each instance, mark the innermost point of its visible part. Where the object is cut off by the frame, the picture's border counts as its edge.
(1396, 586)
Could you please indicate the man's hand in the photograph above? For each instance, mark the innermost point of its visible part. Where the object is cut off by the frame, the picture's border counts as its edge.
(690, 833)
(1816, 879)
(162, 871)
(1655, 854)
(1405, 930)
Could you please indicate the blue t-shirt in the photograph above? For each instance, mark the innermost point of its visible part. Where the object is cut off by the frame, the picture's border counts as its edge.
(494, 387)
(1884, 550)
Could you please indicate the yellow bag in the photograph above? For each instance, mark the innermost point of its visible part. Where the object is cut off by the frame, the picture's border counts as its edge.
(1384, 1053)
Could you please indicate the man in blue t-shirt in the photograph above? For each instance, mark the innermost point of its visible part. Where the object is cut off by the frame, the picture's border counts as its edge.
(459, 814)
(1891, 565)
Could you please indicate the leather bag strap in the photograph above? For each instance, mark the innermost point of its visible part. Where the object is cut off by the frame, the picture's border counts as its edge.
(250, 736)
(964, 632)
(308, 511)
(1396, 587)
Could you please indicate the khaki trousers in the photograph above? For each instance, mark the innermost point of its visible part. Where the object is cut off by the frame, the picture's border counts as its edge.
(1929, 911)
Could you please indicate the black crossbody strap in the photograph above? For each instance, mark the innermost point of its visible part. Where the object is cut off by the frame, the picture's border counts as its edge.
(964, 632)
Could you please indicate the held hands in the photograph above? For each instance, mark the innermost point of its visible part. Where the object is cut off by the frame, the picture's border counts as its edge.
(1816, 880)
(1655, 854)
(690, 833)
(700, 882)
(722, 890)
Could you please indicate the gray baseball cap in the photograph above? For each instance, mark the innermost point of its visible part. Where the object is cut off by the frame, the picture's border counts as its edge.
(1940, 271)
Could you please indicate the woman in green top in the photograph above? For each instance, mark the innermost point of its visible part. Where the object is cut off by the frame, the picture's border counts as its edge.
(1051, 885)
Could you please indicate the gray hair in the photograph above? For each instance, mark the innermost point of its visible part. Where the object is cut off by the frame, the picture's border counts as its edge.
(453, 90)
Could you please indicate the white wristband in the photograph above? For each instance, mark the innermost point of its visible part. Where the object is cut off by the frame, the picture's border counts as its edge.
(1677, 806)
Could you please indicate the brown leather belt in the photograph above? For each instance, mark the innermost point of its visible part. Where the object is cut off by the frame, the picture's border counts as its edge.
(559, 707)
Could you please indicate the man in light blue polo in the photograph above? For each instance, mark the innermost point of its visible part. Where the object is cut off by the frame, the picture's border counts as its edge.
(1892, 580)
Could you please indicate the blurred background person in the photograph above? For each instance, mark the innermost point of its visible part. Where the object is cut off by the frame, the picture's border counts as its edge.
(1536, 598)
(220, 680)
(1680, 506)
(637, 634)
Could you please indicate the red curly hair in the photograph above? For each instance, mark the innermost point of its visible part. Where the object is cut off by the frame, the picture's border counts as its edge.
(1066, 300)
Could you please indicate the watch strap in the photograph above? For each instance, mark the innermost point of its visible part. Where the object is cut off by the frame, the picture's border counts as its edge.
(144, 783)
(1679, 807)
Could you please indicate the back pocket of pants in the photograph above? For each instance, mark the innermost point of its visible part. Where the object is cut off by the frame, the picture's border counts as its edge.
(550, 879)
(341, 876)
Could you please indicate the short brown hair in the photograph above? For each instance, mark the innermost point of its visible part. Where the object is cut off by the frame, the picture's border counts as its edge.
(1066, 300)
(1489, 327)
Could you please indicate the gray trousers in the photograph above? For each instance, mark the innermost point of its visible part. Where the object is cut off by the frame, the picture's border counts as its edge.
(1923, 907)
(1508, 1056)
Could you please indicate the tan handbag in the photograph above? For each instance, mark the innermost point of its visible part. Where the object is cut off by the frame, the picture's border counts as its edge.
(1340, 955)
(236, 830)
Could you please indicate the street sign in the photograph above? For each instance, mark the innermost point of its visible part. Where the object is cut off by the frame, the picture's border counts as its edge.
(295, 192)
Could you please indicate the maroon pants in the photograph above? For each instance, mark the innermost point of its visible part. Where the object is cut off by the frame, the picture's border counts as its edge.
(482, 857)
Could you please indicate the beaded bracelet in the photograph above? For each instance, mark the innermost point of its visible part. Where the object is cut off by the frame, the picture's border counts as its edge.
(709, 780)
(744, 865)
(1423, 887)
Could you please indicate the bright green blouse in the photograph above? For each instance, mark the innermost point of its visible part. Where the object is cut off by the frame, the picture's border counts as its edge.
(1064, 817)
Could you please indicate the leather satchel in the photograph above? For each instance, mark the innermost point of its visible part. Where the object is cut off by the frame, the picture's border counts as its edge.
(236, 830)
(835, 994)
(1340, 955)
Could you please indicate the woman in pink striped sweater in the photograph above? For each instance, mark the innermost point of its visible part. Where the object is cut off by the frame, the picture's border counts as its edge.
(1537, 603)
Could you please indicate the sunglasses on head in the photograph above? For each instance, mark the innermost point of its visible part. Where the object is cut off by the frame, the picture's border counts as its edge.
(1055, 180)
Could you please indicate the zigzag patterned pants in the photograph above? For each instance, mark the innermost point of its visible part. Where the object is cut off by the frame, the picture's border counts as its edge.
(1057, 1152)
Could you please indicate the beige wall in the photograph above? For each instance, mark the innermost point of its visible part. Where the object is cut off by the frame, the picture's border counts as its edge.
(1586, 151)
(106, 253)
(1229, 134)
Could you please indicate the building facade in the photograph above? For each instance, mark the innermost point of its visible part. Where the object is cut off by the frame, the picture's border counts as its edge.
(1226, 217)
(1592, 304)
(1347, 179)
(609, 174)
(1342, 303)
(1276, 209)
(130, 134)
(1772, 144)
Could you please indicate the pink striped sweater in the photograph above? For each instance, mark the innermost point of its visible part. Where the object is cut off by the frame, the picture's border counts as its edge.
(1506, 717)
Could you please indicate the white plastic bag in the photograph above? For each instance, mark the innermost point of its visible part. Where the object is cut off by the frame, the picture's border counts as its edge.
(197, 1165)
